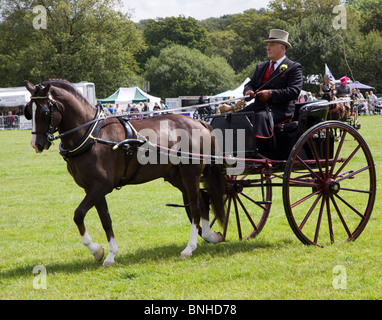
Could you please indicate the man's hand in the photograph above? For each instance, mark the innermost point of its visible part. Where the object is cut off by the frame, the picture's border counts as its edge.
(264, 95)
(251, 95)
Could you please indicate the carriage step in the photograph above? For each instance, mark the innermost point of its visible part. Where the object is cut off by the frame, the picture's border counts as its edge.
(173, 205)
(177, 205)
(263, 202)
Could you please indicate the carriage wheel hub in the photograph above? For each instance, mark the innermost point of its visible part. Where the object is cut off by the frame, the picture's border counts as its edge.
(332, 187)
(234, 188)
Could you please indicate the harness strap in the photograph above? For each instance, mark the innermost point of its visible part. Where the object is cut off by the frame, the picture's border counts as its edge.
(87, 142)
(129, 131)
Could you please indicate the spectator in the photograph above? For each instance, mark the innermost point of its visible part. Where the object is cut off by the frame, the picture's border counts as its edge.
(362, 106)
(156, 108)
(10, 120)
(360, 95)
(343, 90)
(163, 105)
(327, 89)
(201, 99)
(373, 102)
(110, 109)
(134, 109)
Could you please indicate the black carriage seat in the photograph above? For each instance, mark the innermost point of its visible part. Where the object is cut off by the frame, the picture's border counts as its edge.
(306, 115)
(227, 126)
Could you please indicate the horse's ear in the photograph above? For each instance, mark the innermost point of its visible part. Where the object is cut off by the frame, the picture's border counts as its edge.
(46, 89)
(30, 87)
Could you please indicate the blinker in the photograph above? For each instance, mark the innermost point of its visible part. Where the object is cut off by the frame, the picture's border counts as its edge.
(44, 112)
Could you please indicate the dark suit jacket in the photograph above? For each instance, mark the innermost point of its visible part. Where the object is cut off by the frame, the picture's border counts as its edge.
(285, 89)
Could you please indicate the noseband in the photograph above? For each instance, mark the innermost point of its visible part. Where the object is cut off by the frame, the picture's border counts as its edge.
(46, 113)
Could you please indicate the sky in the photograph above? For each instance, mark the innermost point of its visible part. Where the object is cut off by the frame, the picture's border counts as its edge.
(198, 9)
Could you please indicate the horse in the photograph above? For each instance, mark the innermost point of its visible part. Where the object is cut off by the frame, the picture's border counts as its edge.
(338, 111)
(99, 165)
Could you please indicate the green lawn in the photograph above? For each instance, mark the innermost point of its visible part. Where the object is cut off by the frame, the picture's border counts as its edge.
(38, 199)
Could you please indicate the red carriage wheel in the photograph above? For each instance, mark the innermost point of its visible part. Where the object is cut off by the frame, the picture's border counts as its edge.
(329, 184)
(247, 203)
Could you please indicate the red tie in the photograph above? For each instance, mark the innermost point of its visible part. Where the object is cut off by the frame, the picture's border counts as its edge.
(272, 68)
(268, 72)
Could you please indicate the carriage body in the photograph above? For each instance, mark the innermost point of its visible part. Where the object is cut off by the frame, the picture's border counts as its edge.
(325, 170)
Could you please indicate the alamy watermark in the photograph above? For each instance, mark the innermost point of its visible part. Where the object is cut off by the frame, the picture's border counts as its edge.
(340, 20)
(40, 280)
(339, 278)
(179, 146)
(40, 21)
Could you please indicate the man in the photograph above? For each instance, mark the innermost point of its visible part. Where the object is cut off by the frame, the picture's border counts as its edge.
(327, 89)
(275, 85)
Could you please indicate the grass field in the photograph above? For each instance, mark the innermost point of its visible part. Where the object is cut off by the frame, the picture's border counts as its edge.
(38, 199)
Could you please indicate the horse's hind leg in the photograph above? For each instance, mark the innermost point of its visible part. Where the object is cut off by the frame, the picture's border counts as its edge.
(193, 195)
(207, 235)
(187, 180)
(104, 215)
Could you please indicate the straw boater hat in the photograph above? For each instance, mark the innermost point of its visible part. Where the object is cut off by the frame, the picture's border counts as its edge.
(279, 36)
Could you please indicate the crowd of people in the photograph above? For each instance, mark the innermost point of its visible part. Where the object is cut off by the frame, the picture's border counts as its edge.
(135, 111)
(366, 103)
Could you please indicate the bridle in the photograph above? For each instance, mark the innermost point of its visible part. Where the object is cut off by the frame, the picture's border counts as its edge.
(46, 114)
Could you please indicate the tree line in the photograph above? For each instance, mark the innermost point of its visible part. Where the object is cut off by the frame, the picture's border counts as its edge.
(93, 40)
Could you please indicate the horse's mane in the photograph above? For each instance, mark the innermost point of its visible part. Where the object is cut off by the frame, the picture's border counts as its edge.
(68, 87)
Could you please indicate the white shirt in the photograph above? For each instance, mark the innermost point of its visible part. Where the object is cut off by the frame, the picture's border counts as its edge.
(278, 62)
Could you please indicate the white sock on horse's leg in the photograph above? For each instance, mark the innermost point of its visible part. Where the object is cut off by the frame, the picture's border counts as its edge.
(113, 250)
(95, 249)
(212, 237)
(192, 244)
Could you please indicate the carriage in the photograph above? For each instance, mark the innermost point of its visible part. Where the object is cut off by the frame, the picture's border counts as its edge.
(328, 184)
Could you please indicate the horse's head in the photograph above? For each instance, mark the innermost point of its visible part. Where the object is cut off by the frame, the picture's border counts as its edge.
(45, 114)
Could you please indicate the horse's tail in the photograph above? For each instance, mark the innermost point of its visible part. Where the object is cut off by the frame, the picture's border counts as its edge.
(214, 181)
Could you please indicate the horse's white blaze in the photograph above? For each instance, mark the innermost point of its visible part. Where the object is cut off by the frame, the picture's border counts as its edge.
(34, 137)
(113, 250)
(192, 244)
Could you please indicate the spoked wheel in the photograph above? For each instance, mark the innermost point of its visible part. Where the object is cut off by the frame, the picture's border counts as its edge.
(329, 185)
(248, 203)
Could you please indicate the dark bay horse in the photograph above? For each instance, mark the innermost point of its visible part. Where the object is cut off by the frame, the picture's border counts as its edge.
(99, 168)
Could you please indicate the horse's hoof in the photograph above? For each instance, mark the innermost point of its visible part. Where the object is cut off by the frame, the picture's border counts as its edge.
(108, 263)
(186, 253)
(98, 254)
(219, 237)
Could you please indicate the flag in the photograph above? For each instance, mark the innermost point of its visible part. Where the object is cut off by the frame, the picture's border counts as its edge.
(327, 72)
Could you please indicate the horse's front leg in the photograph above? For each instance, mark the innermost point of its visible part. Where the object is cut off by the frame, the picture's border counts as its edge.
(104, 215)
(79, 216)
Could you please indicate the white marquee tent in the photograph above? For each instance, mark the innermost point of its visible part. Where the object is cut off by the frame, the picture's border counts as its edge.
(130, 95)
(237, 93)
